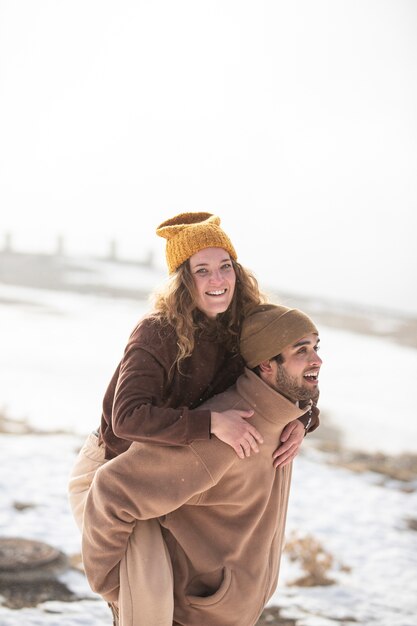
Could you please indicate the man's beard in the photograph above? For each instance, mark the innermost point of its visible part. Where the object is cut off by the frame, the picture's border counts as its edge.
(290, 388)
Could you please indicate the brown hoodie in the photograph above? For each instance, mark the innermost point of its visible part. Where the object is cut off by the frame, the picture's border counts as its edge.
(223, 517)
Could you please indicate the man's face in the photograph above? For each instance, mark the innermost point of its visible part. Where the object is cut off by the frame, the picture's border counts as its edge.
(297, 377)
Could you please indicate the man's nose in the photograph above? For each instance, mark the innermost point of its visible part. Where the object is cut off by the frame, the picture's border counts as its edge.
(316, 359)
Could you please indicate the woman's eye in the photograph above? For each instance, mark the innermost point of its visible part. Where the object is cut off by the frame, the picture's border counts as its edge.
(226, 266)
(316, 348)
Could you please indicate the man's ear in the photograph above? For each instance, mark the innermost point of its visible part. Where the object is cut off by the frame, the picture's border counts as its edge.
(265, 366)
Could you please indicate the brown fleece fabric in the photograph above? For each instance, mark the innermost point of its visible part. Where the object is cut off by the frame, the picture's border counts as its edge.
(223, 517)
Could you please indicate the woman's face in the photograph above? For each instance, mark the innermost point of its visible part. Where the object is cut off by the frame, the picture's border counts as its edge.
(214, 279)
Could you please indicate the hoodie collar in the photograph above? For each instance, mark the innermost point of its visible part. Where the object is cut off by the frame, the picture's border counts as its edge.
(266, 401)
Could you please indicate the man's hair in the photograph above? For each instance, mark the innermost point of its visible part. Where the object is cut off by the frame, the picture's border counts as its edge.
(278, 358)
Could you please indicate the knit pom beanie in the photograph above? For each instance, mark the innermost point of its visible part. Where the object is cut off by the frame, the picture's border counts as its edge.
(188, 233)
(269, 329)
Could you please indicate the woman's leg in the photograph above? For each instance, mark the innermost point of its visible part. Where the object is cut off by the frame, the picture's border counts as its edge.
(88, 461)
(146, 583)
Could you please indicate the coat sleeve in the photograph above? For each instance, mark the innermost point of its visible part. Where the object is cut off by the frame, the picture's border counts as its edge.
(134, 401)
(137, 414)
(144, 482)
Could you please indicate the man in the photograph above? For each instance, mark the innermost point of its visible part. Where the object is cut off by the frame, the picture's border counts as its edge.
(223, 517)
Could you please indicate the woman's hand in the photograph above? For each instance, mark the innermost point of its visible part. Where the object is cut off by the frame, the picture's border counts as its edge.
(233, 428)
(291, 439)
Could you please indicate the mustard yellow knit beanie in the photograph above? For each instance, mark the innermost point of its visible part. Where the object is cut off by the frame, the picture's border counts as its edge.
(269, 329)
(188, 233)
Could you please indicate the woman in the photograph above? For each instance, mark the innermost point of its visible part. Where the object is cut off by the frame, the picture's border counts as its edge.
(187, 349)
(178, 356)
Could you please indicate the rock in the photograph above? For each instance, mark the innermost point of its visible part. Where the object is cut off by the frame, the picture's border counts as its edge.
(27, 560)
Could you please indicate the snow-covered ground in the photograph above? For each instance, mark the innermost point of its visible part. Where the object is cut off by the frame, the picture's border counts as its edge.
(361, 523)
(58, 351)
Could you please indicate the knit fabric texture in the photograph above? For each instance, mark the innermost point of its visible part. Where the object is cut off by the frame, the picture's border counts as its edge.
(188, 233)
(269, 329)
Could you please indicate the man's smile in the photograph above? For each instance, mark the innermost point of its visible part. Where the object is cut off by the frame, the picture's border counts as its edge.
(312, 376)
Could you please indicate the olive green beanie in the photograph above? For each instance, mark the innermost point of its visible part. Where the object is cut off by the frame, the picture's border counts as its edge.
(188, 233)
(269, 329)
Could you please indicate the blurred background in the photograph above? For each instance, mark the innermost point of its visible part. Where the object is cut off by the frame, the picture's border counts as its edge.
(294, 121)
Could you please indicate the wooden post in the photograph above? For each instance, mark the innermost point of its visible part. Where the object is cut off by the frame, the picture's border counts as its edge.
(60, 246)
(7, 247)
(113, 250)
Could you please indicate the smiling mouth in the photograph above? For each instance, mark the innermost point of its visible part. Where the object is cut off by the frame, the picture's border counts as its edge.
(312, 377)
(217, 292)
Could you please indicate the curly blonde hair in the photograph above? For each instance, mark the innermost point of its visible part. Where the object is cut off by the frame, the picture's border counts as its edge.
(175, 305)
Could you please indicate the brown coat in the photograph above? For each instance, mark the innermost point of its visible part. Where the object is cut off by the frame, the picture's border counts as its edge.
(224, 517)
(143, 403)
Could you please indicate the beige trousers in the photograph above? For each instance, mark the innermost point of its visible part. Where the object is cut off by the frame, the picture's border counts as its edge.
(146, 583)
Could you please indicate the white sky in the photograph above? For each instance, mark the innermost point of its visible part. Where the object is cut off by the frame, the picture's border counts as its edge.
(295, 121)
